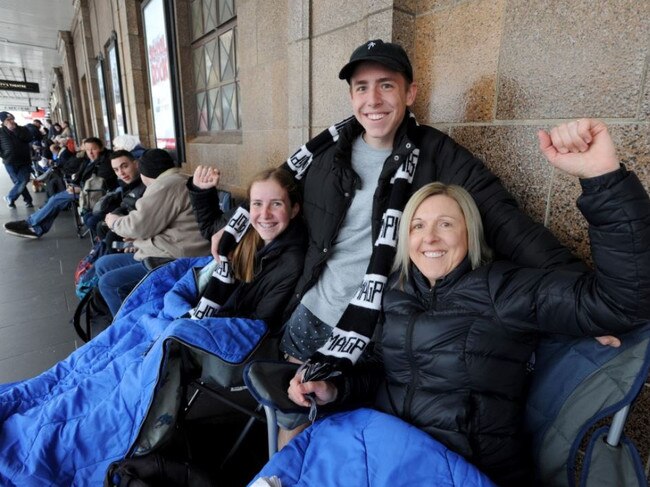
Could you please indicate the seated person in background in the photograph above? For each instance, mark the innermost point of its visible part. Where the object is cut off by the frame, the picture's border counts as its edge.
(162, 226)
(129, 142)
(54, 130)
(95, 162)
(119, 202)
(458, 331)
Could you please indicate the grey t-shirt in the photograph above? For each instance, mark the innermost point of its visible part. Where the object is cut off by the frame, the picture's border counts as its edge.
(344, 269)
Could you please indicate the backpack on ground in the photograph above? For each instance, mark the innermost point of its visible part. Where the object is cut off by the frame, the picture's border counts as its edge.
(84, 275)
(92, 313)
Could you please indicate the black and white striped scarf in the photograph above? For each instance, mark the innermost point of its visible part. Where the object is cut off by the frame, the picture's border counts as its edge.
(222, 282)
(355, 328)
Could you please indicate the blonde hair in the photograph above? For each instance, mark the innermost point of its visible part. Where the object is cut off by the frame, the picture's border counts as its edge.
(477, 249)
(243, 260)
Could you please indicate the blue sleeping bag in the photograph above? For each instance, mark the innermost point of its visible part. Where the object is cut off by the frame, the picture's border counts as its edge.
(67, 425)
(368, 448)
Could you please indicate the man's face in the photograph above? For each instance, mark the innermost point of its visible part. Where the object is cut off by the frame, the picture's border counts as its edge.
(92, 150)
(379, 99)
(10, 123)
(126, 169)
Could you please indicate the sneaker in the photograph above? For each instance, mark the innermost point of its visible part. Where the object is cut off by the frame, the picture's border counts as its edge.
(16, 225)
(29, 205)
(10, 204)
(20, 229)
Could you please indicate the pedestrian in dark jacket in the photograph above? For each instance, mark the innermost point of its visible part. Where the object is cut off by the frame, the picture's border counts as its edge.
(458, 333)
(15, 152)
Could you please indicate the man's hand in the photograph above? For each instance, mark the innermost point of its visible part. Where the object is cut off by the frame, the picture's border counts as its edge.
(324, 392)
(110, 219)
(582, 148)
(206, 177)
(609, 341)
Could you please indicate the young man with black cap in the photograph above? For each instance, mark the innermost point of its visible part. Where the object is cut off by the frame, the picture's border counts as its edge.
(162, 226)
(348, 184)
(15, 152)
(356, 177)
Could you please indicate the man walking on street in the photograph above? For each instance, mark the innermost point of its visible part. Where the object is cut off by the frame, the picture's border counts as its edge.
(16, 156)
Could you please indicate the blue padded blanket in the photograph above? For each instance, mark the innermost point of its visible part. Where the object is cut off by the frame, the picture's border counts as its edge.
(67, 425)
(368, 448)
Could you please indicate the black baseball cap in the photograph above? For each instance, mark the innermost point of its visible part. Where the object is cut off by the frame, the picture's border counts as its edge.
(390, 55)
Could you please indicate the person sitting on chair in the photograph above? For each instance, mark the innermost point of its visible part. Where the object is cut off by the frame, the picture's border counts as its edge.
(95, 162)
(119, 202)
(268, 260)
(161, 228)
(458, 331)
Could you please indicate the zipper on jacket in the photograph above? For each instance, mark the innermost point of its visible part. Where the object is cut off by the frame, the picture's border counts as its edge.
(410, 389)
(314, 276)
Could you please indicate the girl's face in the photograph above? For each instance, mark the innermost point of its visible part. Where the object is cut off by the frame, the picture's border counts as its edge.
(270, 208)
(437, 237)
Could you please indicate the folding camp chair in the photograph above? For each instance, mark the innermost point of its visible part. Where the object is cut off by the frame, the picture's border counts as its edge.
(576, 384)
(203, 375)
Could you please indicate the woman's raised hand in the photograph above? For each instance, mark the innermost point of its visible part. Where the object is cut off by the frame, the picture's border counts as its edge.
(582, 148)
(206, 177)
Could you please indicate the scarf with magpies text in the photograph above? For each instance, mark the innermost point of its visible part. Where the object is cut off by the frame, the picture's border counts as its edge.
(355, 328)
(222, 282)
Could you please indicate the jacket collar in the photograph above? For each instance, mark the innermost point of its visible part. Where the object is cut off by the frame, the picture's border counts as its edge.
(422, 285)
(402, 146)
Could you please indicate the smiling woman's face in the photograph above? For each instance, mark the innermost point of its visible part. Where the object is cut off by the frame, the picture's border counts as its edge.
(270, 209)
(437, 237)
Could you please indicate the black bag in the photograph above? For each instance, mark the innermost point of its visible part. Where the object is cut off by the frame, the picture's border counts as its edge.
(95, 313)
(155, 470)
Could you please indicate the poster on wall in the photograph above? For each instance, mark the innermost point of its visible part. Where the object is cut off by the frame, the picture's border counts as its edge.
(116, 88)
(160, 79)
(102, 97)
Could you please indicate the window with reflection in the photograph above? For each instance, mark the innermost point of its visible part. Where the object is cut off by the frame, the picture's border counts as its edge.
(216, 77)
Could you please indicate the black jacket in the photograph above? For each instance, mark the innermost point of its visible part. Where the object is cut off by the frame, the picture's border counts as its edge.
(128, 196)
(205, 204)
(277, 268)
(14, 146)
(455, 355)
(83, 169)
(330, 184)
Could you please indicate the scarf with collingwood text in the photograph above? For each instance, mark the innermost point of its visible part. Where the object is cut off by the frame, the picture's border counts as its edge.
(222, 282)
(355, 328)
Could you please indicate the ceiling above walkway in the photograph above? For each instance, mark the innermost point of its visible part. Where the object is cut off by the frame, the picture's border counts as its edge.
(28, 48)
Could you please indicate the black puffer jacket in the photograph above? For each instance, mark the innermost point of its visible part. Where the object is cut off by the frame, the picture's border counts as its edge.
(455, 355)
(14, 146)
(205, 204)
(101, 167)
(277, 268)
(330, 184)
(130, 194)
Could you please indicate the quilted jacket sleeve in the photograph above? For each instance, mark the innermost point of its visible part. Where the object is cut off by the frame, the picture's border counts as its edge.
(614, 297)
(508, 230)
(205, 204)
